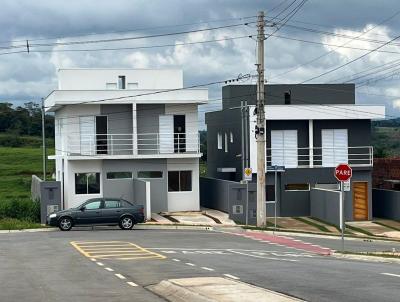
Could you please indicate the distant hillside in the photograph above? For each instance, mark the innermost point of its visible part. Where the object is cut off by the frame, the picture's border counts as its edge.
(386, 138)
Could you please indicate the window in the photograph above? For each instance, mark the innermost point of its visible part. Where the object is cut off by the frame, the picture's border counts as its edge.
(94, 205)
(133, 85)
(288, 95)
(121, 82)
(334, 147)
(179, 181)
(284, 148)
(335, 186)
(87, 183)
(119, 175)
(226, 142)
(111, 85)
(219, 141)
(231, 137)
(297, 187)
(150, 174)
(112, 204)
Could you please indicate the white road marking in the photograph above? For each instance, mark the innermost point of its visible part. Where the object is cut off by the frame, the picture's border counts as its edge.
(176, 260)
(132, 283)
(190, 264)
(262, 257)
(168, 252)
(120, 276)
(207, 268)
(389, 274)
(109, 269)
(92, 259)
(231, 276)
(99, 263)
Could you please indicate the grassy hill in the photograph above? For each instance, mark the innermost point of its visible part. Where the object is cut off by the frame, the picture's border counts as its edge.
(386, 138)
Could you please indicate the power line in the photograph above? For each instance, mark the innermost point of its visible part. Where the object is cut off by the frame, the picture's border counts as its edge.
(126, 38)
(133, 48)
(350, 62)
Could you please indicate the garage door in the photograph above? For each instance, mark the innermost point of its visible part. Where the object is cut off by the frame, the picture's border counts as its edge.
(360, 200)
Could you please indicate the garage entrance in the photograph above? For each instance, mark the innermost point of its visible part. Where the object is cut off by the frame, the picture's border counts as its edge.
(360, 200)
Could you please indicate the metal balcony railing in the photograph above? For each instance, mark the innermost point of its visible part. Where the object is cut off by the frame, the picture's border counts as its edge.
(128, 144)
(360, 156)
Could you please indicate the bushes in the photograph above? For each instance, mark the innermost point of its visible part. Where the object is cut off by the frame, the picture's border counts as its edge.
(23, 209)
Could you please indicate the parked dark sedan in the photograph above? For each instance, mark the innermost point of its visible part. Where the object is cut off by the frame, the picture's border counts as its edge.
(99, 211)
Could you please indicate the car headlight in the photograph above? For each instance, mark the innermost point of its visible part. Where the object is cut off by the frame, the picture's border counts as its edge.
(53, 215)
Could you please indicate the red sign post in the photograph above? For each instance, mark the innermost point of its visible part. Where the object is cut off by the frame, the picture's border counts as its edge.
(343, 173)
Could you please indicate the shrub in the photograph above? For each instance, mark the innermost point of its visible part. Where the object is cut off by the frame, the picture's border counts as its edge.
(24, 209)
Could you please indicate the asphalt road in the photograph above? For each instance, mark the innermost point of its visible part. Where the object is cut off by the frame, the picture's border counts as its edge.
(99, 264)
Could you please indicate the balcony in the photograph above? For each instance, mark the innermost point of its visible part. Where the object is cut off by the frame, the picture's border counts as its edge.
(320, 157)
(126, 146)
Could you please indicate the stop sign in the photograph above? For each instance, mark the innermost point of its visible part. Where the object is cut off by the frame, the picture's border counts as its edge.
(343, 172)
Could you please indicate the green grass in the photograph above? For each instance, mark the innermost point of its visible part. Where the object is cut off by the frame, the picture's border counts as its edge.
(16, 168)
(316, 225)
(17, 224)
(203, 168)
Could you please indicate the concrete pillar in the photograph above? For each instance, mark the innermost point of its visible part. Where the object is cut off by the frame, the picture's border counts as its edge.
(311, 143)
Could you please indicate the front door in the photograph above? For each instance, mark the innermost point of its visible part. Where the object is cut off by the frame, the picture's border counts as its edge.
(360, 200)
(90, 213)
(179, 134)
(101, 134)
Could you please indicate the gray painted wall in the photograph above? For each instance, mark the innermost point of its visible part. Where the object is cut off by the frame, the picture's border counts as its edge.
(325, 205)
(139, 192)
(117, 187)
(301, 94)
(49, 195)
(119, 122)
(386, 204)
(147, 122)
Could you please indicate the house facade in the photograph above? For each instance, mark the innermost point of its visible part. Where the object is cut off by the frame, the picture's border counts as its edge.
(309, 130)
(114, 126)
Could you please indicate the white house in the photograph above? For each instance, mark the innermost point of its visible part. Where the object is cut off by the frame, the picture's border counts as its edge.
(115, 126)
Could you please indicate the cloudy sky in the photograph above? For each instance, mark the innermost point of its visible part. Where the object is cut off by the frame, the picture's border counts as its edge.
(307, 46)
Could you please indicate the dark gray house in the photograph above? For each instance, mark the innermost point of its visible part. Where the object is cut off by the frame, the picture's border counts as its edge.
(309, 130)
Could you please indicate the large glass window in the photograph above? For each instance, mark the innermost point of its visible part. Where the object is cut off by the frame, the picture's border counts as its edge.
(150, 174)
(284, 148)
(334, 147)
(179, 181)
(87, 183)
(119, 175)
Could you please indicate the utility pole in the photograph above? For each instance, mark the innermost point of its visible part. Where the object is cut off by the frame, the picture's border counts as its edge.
(260, 128)
(43, 141)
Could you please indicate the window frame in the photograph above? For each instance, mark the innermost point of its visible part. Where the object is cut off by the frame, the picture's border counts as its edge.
(141, 177)
(87, 182)
(298, 190)
(219, 141)
(117, 178)
(121, 78)
(179, 181)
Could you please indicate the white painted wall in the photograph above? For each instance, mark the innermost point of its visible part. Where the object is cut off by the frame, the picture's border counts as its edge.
(96, 79)
(185, 201)
(72, 167)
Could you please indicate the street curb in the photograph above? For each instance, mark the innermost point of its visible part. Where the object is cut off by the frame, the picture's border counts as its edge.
(29, 230)
(310, 235)
(172, 227)
(369, 258)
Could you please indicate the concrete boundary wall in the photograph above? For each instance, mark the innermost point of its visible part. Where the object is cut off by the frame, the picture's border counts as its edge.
(325, 205)
(142, 195)
(386, 203)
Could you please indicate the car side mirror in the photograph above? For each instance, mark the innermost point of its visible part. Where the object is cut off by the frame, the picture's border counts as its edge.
(82, 209)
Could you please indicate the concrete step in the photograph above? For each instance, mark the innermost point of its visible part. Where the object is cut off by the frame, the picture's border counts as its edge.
(215, 289)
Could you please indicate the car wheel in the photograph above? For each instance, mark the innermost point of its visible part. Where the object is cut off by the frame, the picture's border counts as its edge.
(65, 224)
(126, 223)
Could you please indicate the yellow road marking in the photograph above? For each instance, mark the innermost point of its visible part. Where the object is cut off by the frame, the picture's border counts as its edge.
(119, 250)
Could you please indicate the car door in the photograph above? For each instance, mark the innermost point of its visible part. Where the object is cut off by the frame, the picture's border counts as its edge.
(90, 213)
(111, 211)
